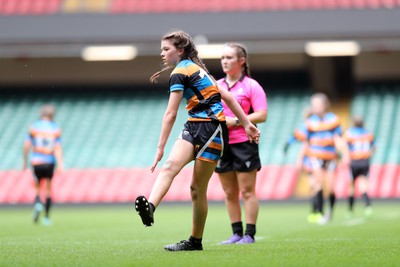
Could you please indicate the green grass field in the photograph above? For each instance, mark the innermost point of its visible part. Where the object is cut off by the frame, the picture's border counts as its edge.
(114, 236)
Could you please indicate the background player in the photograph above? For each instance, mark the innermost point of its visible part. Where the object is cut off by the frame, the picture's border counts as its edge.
(44, 140)
(238, 167)
(361, 144)
(202, 139)
(303, 164)
(323, 140)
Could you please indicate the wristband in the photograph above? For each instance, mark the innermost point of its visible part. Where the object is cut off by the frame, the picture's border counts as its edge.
(237, 122)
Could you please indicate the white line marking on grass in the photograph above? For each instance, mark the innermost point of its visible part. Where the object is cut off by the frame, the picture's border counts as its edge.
(355, 222)
(260, 238)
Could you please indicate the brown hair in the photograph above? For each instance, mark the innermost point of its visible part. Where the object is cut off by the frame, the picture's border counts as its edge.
(47, 110)
(181, 40)
(324, 98)
(241, 52)
(358, 121)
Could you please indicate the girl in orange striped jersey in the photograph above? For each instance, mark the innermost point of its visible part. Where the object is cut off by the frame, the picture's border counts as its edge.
(203, 138)
(361, 144)
(323, 139)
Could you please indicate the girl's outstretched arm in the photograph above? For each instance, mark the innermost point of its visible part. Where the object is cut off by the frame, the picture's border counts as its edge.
(167, 124)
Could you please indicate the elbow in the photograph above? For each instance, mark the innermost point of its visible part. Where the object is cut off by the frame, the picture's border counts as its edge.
(263, 118)
(170, 116)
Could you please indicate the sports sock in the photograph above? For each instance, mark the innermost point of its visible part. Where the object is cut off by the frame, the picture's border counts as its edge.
(332, 200)
(320, 201)
(152, 206)
(366, 199)
(314, 204)
(237, 228)
(47, 206)
(351, 203)
(195, 241)
(250, 230)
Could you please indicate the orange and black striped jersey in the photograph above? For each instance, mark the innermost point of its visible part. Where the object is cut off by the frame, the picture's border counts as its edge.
(320, 136)
(361, 143)
(201, 94)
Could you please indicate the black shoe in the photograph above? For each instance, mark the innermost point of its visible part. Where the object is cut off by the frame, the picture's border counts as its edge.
(145, 210)
(184, 245)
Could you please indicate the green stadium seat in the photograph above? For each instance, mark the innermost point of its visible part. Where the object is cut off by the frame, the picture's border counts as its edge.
(121, 130)
(379, 104)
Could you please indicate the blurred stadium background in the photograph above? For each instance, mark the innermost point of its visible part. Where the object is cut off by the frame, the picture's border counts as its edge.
(111, 115)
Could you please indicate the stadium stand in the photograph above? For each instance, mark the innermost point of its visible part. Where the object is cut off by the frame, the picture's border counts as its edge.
(76, 6)
(110, 138)
(101, 117)
(140, 6)
(29, 7)
(46, 7)
(379, 104)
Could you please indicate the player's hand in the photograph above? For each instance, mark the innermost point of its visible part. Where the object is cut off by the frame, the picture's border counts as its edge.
(157, 158)
(285, 148)
(252, 133)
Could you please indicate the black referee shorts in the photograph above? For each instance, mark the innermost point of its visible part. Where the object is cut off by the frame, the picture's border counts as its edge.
(240, 157)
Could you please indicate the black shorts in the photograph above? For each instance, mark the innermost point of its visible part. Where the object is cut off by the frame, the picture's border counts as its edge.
(43, 171)
(240, 157)
(359, 167)
(328, 165)
(208, 138)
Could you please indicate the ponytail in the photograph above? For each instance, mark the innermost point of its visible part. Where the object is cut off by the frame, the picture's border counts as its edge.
(154, 77)
(181, 40)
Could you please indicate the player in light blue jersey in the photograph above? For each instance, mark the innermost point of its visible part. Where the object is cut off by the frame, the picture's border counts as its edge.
(44, 139)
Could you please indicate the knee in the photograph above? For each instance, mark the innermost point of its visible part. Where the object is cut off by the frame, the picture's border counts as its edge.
(194, 192)
(231, 194)
(169, 167)
(248, 193)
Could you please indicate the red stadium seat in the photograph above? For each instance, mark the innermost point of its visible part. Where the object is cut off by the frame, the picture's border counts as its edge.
(29, 7)
(397, 186)
(267, 179)
(342, 180)
(45, 7)
(287, 182)
(375, 177)
(159, 6)
(390, 176)
(123, 185)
